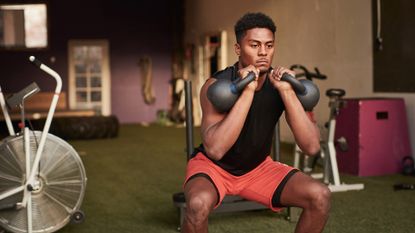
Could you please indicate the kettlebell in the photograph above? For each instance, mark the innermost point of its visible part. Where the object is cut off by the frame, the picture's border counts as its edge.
(307, 92)
(408, 166)
(223, 93)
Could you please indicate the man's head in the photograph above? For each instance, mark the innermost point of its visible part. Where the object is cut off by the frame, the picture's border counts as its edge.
(255, 33)
(250, 21)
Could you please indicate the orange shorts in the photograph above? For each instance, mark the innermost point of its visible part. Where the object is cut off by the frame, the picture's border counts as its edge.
(258, 185)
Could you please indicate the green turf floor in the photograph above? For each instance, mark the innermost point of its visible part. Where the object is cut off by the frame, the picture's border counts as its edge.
(131, 180)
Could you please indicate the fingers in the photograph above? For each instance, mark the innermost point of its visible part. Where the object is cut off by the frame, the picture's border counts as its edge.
(276, 74)
(245, 71)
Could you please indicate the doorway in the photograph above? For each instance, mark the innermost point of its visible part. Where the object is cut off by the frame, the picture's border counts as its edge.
(89, 76)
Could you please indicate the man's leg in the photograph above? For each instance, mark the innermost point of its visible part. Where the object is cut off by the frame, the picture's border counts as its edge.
(201, 197)
(312, 196)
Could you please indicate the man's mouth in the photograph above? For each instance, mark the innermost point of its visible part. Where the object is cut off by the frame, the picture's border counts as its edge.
(262, 62)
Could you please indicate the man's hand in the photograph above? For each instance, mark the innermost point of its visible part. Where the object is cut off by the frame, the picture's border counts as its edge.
(244, 72)
(275, 78)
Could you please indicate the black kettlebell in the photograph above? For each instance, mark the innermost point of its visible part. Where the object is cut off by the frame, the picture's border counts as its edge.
(307, 92)
(408, 166)
(223, 93)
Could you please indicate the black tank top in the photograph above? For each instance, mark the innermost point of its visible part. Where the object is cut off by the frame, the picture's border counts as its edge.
(255, 140)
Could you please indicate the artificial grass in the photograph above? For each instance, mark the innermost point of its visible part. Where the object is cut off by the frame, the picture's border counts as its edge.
(131, 180)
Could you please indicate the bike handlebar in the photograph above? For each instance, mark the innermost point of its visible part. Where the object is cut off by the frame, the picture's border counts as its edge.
(307, 74)
(49, 71)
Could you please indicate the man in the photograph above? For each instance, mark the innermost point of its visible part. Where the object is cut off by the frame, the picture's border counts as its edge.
(234, 158)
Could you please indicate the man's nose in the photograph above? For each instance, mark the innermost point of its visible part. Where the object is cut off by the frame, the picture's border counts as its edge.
(262, 50)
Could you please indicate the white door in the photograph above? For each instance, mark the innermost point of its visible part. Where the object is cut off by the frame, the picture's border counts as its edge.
(89, 76)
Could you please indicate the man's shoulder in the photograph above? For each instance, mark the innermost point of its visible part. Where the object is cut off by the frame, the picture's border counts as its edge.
(228, 72)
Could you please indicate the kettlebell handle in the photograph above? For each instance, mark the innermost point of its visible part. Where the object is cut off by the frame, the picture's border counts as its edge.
(223, 93)
(240, 83)
(298, 87)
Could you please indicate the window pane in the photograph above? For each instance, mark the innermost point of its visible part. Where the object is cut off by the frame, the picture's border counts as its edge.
(95, 96)
(95, 53)
(81, 81)
(14, 32)
(35, 26)
(80, 68)
(81, 96)
(80, 53)
(95, 81)
(96, 67)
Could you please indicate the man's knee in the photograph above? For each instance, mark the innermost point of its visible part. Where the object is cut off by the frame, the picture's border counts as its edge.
(198, 209)
(320, 197)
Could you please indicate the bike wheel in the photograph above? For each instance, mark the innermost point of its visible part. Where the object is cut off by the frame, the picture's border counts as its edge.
(62, 181)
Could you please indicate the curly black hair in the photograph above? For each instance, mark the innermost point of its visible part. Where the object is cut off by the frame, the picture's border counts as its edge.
(253, 20)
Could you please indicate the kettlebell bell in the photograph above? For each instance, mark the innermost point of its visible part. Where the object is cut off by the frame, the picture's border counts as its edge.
(408, 166)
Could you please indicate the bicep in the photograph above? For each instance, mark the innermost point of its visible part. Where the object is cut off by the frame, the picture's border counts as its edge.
(301, 123)
(210, 117)
(295, 120)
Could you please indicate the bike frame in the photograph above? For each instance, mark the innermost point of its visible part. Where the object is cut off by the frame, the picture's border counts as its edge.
(31, 184)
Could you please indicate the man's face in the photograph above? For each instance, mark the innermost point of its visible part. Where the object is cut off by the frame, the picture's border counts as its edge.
(256, 48)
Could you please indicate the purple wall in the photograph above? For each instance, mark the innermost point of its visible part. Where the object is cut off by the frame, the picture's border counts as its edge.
(133, 29)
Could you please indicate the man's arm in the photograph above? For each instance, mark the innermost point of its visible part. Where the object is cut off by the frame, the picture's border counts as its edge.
(221, 130)
(305, 131)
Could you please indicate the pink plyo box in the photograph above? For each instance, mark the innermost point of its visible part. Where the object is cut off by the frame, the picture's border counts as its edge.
(376, 131)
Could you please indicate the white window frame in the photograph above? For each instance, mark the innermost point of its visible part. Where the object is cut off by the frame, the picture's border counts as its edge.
(106, 79)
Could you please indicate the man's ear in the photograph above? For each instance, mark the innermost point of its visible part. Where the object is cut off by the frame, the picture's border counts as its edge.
(237, 49)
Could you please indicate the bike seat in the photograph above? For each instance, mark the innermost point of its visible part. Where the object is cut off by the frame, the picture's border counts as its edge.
(17, 98)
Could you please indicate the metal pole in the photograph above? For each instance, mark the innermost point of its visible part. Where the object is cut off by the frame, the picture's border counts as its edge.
(276, 156)
(189, 118)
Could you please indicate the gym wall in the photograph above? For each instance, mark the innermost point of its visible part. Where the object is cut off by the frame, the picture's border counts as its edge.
(335, 36)
(134, 29)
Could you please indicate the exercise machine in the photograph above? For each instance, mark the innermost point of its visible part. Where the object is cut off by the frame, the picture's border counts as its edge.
(330, 173)
(42, 177)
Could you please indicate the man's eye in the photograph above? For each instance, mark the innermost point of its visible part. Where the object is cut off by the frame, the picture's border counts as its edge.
(254, 45)
(270, 46)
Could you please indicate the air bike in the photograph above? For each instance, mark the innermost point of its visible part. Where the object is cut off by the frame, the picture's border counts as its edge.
(330, 174)
(42, 178)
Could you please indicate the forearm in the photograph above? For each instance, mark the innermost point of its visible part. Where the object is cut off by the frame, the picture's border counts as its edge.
(219, 138)
(305, 132)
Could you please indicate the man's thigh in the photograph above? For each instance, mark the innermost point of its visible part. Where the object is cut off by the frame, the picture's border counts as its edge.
(261, 183)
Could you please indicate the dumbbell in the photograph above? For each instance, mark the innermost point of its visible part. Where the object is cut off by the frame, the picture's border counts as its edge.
(223, 93)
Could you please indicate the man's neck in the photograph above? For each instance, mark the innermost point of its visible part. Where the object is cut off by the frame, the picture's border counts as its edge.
(261, 80)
